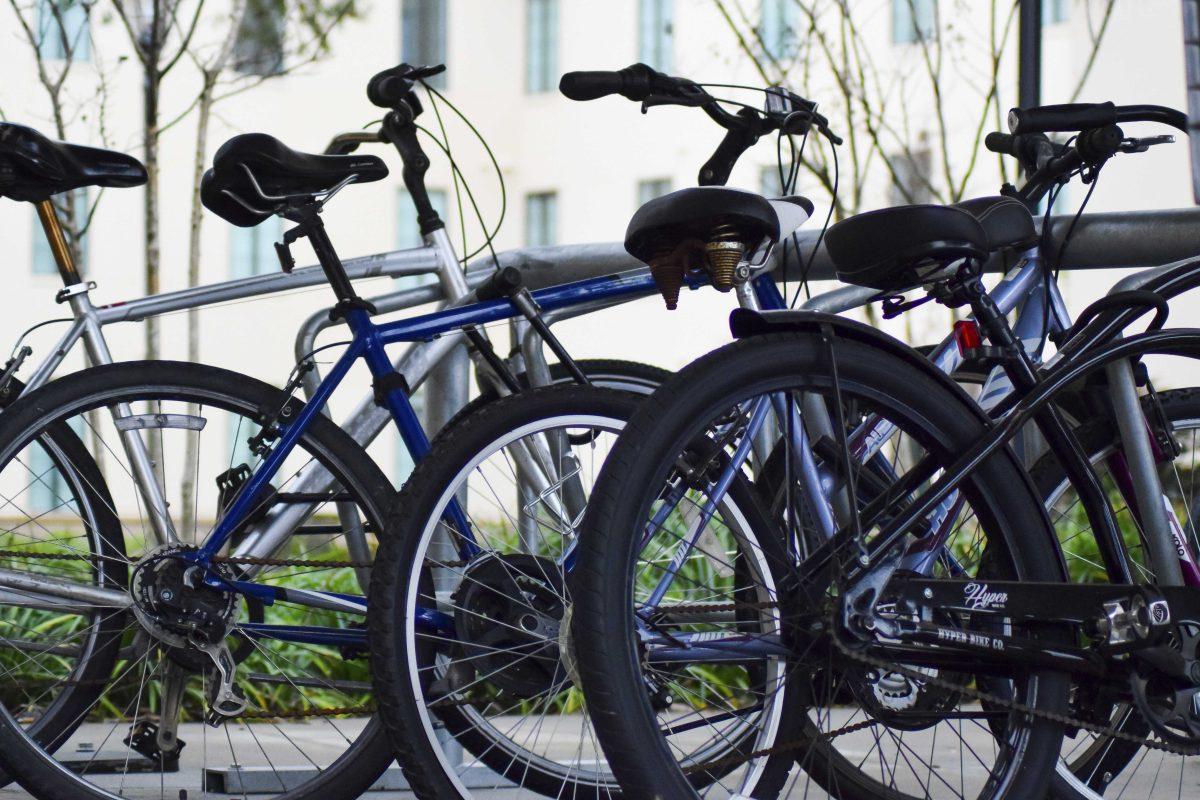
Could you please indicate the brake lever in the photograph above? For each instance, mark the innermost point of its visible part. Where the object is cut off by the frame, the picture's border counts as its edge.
(1141, 145)
(652, 100)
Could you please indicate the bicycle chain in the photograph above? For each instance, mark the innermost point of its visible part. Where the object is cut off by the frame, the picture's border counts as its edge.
(1013, 705)
(367, 709)
(236, 560)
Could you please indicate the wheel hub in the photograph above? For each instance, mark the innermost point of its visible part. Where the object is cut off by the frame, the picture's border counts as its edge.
(509, 613)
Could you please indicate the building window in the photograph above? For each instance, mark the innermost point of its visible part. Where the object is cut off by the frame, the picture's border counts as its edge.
(408, 232)
(43, 257)
(63, 30)
(1054, 12)
(541, 45)
(655, 33)
(423, 35)
(252, 250)
(48, 488)
(913, 20)
(258, 49)
(910, 182)
(541, 218)
(777, 27)
(648, 190)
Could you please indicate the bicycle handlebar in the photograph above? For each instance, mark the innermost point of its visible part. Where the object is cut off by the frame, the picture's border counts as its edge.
(1033, 150)
(389, 88)
(635, 82)
(785, 111)
(1070, 117)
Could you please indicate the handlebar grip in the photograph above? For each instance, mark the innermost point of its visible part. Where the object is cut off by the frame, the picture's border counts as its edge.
(1066, 117)
(999, 143)
(635, 82)
(386, 89)
(1162, 114)
(584, 86)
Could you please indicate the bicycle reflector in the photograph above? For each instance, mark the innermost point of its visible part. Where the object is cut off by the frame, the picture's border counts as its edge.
(966, 336)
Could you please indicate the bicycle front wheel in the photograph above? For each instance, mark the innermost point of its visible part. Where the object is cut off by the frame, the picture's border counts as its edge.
(488, 701)
(249, 677)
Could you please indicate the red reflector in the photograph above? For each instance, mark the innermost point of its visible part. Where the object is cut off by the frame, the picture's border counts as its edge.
(966, 335)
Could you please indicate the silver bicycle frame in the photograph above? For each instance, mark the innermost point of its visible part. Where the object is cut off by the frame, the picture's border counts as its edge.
(89, 322)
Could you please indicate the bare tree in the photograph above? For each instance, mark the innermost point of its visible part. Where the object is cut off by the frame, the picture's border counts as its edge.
(833, 59)
(56, 33)
(231, 49)
(250, 53)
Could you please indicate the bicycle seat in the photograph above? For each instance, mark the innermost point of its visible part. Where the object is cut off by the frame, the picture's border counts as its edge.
(695, 212)
(253, 175)
(901, 247)
(33, 167)
(1006, 221)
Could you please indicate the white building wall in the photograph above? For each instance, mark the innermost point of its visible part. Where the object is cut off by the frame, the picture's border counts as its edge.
(591, 154)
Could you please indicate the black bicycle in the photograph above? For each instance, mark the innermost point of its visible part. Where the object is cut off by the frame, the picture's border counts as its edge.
(899, 599)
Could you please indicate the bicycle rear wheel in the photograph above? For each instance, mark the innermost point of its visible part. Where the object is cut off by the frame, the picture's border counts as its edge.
(864, 731)
(307, 729)
(1093, 766)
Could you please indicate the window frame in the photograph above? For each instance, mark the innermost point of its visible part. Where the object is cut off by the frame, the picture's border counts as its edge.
(541, 46)
(263, 237)
(50, 44)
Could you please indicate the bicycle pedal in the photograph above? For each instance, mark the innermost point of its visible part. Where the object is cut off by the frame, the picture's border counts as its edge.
(143, 740)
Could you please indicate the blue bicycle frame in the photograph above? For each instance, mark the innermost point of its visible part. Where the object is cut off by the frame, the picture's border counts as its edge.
(369, 344)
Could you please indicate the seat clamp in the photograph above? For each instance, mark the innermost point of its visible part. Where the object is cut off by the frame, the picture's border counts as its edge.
(382, 386)
(68, 292)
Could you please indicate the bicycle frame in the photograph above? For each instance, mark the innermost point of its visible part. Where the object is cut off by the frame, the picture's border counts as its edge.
(369, 344)
(1021, 289)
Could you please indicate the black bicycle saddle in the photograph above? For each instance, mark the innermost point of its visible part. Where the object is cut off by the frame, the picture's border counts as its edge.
(254, 174)
(34, 167)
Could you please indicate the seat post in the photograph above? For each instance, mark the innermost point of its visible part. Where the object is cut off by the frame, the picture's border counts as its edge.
(314, 228)
(48, 214)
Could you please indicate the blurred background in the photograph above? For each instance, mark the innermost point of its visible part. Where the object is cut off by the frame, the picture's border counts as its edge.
(912, 85)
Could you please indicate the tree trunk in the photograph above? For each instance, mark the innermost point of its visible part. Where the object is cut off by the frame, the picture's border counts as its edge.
(204, 114)
(150, 149)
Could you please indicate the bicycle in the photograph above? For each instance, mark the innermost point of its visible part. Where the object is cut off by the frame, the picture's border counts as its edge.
(924, 612)
(173, 606)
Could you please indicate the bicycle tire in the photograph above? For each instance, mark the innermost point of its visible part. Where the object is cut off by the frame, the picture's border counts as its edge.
(602, 628)
(401, 706)
(107, 541)
(365, 760)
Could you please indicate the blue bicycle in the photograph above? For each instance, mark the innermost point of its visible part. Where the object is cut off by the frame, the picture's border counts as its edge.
(232, 659)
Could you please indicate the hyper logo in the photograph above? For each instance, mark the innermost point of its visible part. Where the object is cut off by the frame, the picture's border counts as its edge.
(979, 597)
